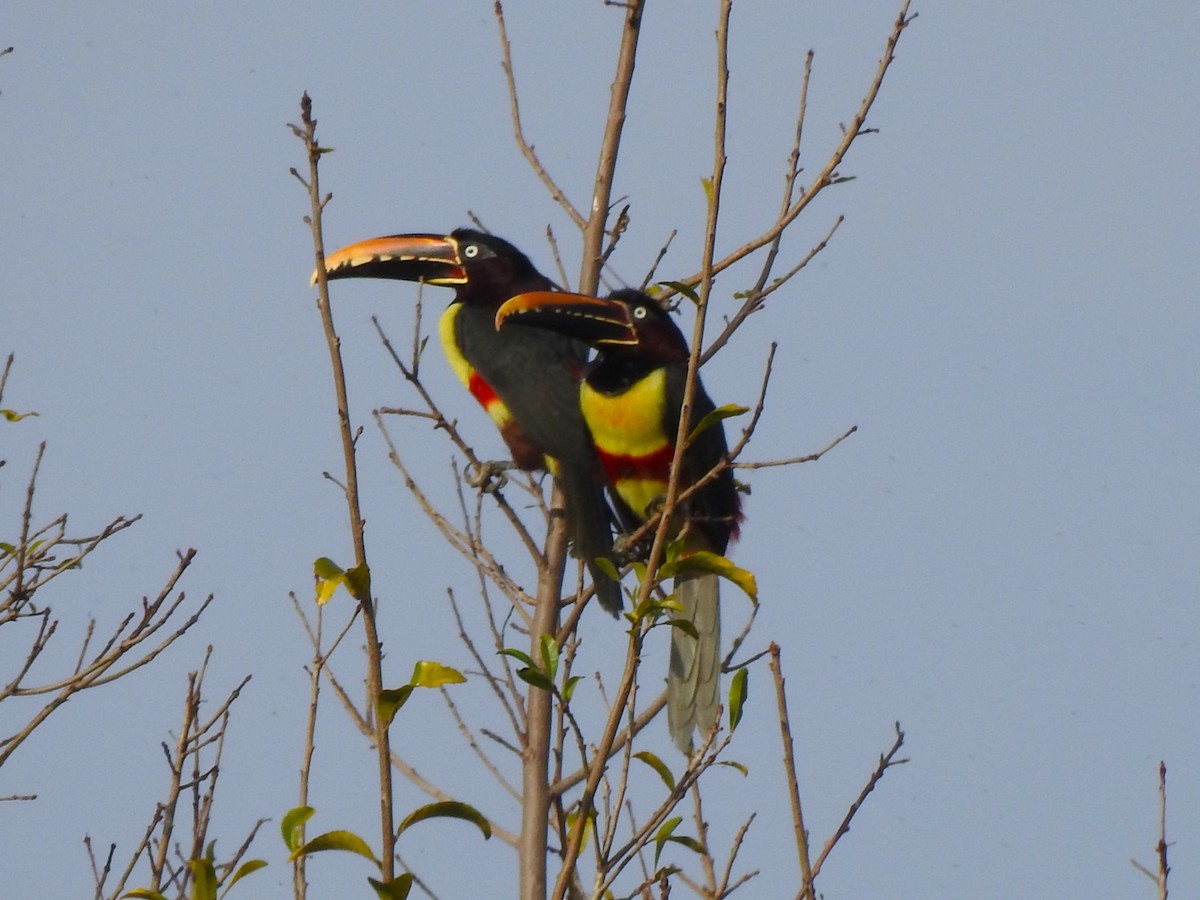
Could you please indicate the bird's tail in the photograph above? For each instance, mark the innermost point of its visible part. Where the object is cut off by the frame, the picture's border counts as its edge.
(589, 521)
(693, 680)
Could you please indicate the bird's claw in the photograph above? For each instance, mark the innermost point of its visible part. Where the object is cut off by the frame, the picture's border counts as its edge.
(489, 476)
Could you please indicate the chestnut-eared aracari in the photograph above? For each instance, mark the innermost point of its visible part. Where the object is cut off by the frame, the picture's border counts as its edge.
(526, 379)
(631, 398)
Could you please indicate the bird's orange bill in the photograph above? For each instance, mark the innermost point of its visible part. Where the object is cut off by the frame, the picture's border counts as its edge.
(431, 258)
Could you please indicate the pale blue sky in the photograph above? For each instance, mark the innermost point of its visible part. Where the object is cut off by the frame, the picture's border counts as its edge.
(1003, 558)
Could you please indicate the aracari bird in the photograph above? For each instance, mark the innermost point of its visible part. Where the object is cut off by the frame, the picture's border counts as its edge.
(528, 381)
(631, 398)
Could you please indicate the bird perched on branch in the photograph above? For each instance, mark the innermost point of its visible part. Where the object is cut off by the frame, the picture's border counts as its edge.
(527, 380)
(631, 398)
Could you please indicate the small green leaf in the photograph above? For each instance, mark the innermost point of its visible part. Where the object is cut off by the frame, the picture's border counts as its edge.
(448, 809)
(708, 189)
(687, 626)
(358, 582)
(687, 290)
(605, 565)
(663, 835)
(429, 674)
(336, 840)
(390, 701)
(739, 690)
(734, 765)
(703, 561)
(329, 575)
(537, 678)
(588, 826)
(13, 416)
(568, 690)
(658, 766)
(248, 867)
(519, 655)
(549, 648)
(204, 879)
(728, 411)
(291, 826)
(143, 894)
(396, 889)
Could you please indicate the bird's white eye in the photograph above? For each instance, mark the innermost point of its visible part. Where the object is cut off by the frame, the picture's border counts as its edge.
(639, 312)
(470, 251)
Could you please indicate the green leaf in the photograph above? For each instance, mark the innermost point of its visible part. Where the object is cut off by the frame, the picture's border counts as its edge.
(605, 565)
(143, 894)
(336, 840)
(728, 411)
(248, 867)
(358, 582)
(390, 701)
(204, 879)
(706, 562)
(588, 826)
(537, 678)
(707, 183)
(568, 690)
(666, 834)
(739, 690)
(734, 765)
(13, 416)
(519, 655)
(549, 648)
(429, 674)
(687, 290)
(292, 824)
(396, 889)
(447, 809)
(663, 834)
(658, 766)
(687, 626)
(329, 575)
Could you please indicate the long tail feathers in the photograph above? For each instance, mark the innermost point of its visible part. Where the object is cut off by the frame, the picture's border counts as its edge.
(588, 517)
(693, 680)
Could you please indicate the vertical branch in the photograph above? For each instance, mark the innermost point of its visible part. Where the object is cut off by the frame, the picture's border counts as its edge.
(362, 591)
(789, 768)
(610, 144)
(535, 755)
(1163, 868)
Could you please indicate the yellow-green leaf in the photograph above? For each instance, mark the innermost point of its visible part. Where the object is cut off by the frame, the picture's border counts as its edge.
(291, 826)
(737, 766)
(396, 889)
(739, 690)
(429, 674)
(728, 411)
(336, 840)
(448, 809)
(390, 701)
(658, 766)
(248, 867)
(588, 826)
(705, 562)
(358, 582)
(204, 879)
(549, 648)
(687, 290)
(663, 834)
(329, 575)
(13, 416)
(143, 894)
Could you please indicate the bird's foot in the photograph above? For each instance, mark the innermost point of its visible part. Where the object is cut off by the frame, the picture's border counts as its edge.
(490, 475)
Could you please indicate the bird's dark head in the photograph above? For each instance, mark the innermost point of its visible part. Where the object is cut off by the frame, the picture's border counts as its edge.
(627, 322)
(482, 268)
